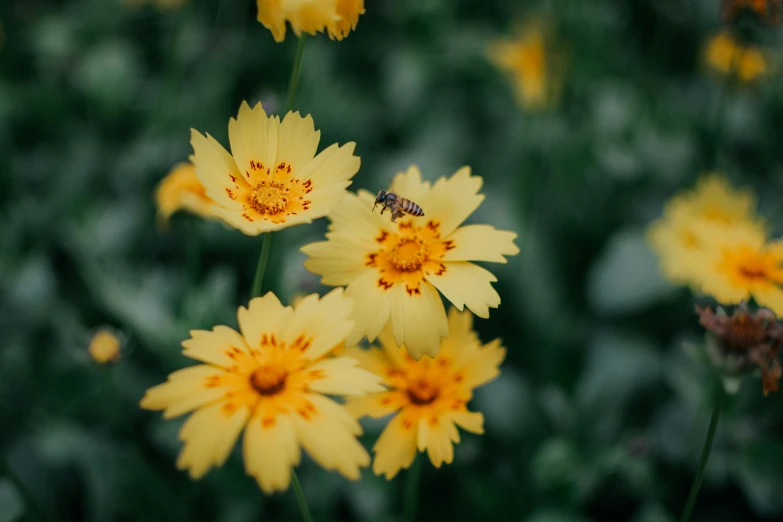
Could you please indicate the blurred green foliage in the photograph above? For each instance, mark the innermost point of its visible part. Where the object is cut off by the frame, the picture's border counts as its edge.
(598, 415)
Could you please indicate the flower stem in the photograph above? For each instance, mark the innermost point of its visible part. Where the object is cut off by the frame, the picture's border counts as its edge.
(705, 455)
(16, 480)
(300, 498)
(411, 499)
(294, 82)
(258, 281)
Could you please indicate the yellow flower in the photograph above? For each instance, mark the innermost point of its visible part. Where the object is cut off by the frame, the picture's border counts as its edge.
(181, 189)
(430, 396)
(337, 17)
(270, 380)
(274, 179)
(393, 270)
(736, 262)
(727, 56)
(528, 61)
(105, 346)
(676, 237)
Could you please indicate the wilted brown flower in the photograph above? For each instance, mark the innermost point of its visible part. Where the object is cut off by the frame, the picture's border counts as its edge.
(766, 11)
(744, 341)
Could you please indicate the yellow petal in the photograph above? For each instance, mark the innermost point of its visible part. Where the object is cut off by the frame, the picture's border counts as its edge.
(462, 340)
(297, 143)
(770, 296)
(371, 307)
(372, 360)
(482, 366)
(249, 136)
(185, 390)
(396, 447)
(216, 170)
(329, 435)
(332, 165)
(452, 200)
(323, 322)
(434, 435)
(209, 435)
(466, 284)
(336, 261)
(481, 243)
(324, 199)
(270, 449)
(263, 315)
(342, 376)
(468, 421)
(215, 347)
(418, 321)
(409, 185)
(376, 405)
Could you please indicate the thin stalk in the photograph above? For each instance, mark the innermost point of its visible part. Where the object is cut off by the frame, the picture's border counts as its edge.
(705, 455)
(300, 498)
(16, 480)
(261, 269)
(411, 500)
(293, 83)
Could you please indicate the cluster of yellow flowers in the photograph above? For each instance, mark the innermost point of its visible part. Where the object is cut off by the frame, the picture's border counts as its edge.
(272, 378)
(725, 55)
(711, 239)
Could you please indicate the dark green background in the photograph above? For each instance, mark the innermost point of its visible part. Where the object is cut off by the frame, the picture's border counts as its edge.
(598, 414)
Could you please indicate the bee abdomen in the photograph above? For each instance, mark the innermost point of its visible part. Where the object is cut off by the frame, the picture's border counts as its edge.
(411, 208)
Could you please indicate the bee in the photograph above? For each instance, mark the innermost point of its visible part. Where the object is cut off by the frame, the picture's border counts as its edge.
(398, 206)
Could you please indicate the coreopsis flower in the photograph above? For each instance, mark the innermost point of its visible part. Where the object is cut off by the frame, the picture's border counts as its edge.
(736, 263)
(182, 190)
(744, 341)
(105, 346)
(727, 56)
(531, 65)
(429, 396)
(675, 236)
(274, 178)
(270, 380)
(336, 17)
(765, 11)
(394, 270)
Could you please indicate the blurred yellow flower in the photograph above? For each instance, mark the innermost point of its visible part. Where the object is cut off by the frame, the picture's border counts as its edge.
(736, 262)
(727, 56)
(393, 270)
(270, 380)
(105, 346)
(182, 190)
(676, 237)
(337, 17)
(430, 396)
(274, 179)
(527, 59)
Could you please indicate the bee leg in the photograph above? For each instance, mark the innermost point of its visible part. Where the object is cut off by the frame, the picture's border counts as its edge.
(397, 214)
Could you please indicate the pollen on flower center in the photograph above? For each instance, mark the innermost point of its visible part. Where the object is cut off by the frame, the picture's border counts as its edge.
(269, 197)
(268, 379)
(408, 255)
(422, 392)
(753, 271)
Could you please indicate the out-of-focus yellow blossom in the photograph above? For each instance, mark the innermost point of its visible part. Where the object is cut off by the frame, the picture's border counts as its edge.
(336, 17)
(727, 56)
(274, 179)
(530, 63)
(163, 4)
(430, 396)
(105, 346)
(394, 270)
(182, 190)
(270, 380)
(676, 237)
(737, 262)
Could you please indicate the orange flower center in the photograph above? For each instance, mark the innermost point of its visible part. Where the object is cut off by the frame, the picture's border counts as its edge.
(268, 379)
(753, 270)
(422, 392)
(409, 255)
(270, 197)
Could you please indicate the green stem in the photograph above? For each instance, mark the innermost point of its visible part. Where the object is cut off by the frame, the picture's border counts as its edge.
(411, 500)
(32, 505)
(300, 498)
(705, 455)
(293, 84)
(258, 281)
